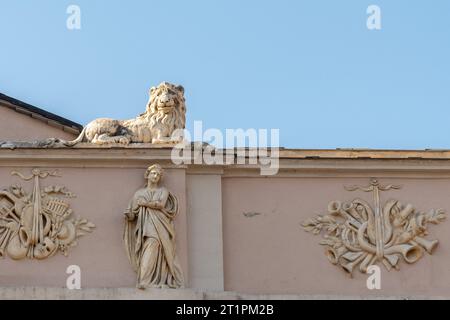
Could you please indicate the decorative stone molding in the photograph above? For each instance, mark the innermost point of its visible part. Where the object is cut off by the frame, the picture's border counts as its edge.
(39, 224)
(361, 234)
(38, 144)
(149, 234)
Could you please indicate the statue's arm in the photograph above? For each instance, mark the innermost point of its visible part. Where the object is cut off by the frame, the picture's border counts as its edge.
(132, 210)
(156, 204)
(130, 215)
(164, 198)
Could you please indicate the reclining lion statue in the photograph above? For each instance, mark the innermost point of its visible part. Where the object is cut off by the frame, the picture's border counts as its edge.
(165, 113)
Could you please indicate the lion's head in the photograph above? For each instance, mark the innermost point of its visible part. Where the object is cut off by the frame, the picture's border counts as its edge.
(167, 106)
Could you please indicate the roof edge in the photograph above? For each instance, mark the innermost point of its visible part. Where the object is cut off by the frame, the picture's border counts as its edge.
(20, 107)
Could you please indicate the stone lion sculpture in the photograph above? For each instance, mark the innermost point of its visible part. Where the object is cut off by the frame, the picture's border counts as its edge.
(165, 113)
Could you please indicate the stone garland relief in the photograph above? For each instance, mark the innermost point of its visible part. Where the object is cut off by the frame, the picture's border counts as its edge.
(359, 234)
(38, 224)
(149, 234)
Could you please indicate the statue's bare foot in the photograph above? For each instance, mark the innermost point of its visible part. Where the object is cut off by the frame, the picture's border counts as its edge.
(140, 286)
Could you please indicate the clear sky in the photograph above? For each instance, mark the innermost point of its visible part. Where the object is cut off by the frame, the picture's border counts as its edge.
(310, 68)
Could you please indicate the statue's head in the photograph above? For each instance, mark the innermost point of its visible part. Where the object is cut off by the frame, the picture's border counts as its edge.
(154, 173)
(167, 106)
(166, 97)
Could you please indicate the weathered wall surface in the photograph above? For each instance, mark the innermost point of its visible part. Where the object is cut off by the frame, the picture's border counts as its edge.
(18, 127)
(205, 238)
(267, 251)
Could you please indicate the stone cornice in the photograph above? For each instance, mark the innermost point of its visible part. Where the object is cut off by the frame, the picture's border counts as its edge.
(292, 162)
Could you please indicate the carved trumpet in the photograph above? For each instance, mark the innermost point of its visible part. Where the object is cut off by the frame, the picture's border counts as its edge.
(333, 254)
(350, 208)
(336, 208)
(428, 245)
(348, 268)
(366, 246)
(403, 215)
(411, 253)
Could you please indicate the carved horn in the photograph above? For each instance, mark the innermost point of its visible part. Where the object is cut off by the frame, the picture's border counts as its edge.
(333, 255)
(362, 242)
(406, 211)
(350, 208)
(334, 207)
(428, 245)
(348, 268)
(404, 214)
(411, 253)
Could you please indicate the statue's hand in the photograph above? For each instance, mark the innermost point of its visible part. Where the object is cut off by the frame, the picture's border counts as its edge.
(142, 203)
(149, 204)
(130, 216)
(155, 205)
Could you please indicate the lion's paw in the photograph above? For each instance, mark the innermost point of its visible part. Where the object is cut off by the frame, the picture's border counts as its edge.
(124, 140)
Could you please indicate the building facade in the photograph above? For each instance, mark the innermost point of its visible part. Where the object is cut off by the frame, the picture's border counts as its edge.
(311, 230)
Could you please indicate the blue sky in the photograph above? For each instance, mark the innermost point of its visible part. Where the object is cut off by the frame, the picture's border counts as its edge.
(310, 68)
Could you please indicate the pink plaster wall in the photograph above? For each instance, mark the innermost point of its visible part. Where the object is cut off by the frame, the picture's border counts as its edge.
(270, 252)
(102, 196)
(19, 127)
(266, 253)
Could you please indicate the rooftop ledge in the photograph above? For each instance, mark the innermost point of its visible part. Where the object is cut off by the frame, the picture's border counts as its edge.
(284, 153)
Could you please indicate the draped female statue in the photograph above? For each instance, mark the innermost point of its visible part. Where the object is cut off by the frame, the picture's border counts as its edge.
(149, 234)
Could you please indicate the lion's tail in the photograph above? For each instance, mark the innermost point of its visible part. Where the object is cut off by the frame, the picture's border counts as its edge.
(79, 139)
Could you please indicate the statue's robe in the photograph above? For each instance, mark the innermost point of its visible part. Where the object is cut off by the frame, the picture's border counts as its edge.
(150, 241)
